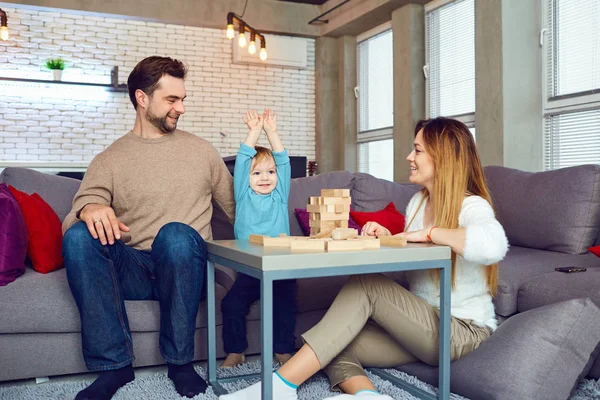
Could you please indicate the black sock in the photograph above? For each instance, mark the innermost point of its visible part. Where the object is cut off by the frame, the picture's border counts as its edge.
(107, 384)
(187, 381)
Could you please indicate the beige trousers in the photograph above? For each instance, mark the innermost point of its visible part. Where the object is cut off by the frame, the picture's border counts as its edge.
(375, 322)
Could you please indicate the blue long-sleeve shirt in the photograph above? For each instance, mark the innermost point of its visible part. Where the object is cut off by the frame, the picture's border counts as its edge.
(261, 214)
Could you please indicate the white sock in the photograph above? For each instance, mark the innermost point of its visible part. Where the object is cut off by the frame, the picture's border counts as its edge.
(362, 395)
(282, 390)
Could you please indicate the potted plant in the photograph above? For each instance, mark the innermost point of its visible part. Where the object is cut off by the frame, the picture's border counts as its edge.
(57, 65)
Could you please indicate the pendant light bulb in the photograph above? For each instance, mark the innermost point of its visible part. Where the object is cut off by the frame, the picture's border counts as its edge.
(230, 31)
(263, 54)
(242, 40)
(252, 47)
(4, 33)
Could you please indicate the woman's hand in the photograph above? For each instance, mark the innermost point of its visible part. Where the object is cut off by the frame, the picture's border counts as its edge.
(416, 236)
(374, 229)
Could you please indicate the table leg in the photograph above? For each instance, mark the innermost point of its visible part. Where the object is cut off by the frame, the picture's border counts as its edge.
(444, 361)
(266, 336)
(212, 322)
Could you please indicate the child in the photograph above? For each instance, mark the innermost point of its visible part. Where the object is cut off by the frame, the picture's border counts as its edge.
(261, 183)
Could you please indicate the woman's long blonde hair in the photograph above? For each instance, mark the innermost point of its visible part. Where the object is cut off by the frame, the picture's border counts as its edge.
(458, 172)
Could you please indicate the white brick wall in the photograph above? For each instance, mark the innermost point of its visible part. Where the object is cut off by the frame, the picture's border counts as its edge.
(58, 124)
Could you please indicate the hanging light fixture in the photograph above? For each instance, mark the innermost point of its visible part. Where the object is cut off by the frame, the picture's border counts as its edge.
(242, 40)
(3, 25)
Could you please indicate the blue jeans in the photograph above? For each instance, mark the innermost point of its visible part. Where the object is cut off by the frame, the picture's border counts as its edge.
(101, 278)
(237, 302)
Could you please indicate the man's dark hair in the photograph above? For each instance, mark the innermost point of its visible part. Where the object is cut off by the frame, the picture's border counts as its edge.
(147, 73)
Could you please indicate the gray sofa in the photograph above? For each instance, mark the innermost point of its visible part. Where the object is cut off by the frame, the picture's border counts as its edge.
(550, 219)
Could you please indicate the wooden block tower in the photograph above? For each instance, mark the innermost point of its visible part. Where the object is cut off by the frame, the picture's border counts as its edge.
(329, 211)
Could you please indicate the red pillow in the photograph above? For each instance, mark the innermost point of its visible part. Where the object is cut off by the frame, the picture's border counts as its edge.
(388, 217)
(595, 250)
(44, 232)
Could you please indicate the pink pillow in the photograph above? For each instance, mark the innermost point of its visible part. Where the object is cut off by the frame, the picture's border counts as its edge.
(303, 217)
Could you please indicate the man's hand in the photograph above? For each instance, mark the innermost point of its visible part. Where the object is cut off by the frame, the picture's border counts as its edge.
(102, 223)
(374, 229)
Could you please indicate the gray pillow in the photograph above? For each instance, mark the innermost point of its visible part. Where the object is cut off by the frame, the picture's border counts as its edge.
(552, 210)
(540, 354)
(373, 194)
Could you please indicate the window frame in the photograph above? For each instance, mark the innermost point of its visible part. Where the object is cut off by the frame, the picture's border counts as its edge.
(372, 135)
(469, 118)
(561, 104)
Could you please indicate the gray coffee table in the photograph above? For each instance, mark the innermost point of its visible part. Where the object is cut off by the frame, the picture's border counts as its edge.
(271, 264)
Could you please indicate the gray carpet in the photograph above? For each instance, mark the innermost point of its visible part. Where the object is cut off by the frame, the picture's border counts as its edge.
(159, 387)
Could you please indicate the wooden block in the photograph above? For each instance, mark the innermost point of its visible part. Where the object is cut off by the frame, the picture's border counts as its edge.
(311, 244)
(345, 208)
(345, 245)
(367, 238)
(341, 224)
(314, 231)
(322, 208)
(322, 224)
(392, 241)
(335, 192)
(336, 200)
(324, 233)
(368, 244)
(256, 239)
(276, 242)
(315, 200)
(283, 235)
(344, 233)
(329, 216)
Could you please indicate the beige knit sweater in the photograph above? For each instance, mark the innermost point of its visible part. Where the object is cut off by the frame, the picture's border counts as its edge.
(151, 182)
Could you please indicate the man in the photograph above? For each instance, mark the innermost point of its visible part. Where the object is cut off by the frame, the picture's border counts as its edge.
(153, 189)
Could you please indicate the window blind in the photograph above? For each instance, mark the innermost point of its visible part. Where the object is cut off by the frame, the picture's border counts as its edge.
(574, 51)
(572, 139)
(377, 158)
(375, 82)
(451, 59)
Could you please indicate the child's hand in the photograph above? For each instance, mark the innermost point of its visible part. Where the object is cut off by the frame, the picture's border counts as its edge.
(254, 121)
(269, 121)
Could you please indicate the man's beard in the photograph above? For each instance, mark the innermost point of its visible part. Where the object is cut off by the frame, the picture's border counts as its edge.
(161, 122)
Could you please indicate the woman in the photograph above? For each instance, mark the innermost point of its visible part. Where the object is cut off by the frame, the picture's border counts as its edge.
(374, 322)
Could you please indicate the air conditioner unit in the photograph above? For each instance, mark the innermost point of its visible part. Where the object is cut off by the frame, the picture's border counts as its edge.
(282, 51)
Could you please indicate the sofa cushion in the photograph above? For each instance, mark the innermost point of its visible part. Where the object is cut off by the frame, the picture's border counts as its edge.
(540, 354)
(595, 250)
(44, 247)
(522, 265)
(554, 287)
(53, 309)
(58, 191)
(372, 194)
(13, 238)
(302, 188)
(552, 210)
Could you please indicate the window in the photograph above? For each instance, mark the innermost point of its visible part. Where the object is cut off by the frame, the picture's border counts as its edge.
(571, 40)
(376, 103)
(450, 60)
